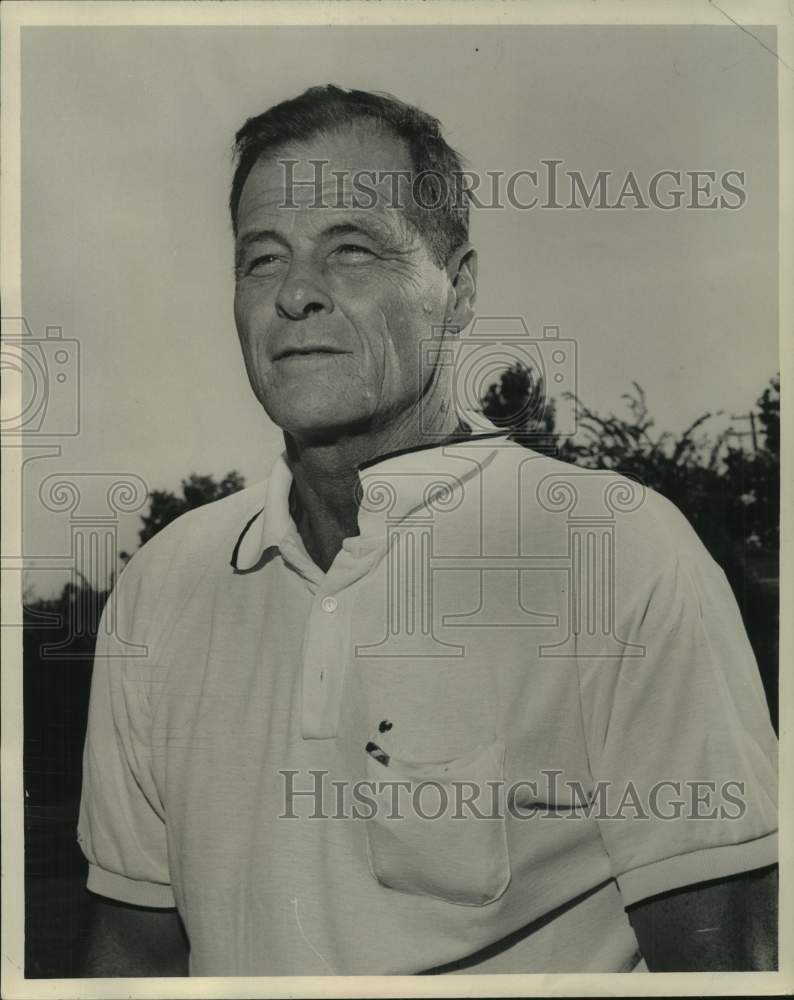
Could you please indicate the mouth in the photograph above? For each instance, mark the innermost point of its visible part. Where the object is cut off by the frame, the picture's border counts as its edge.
(309, 351)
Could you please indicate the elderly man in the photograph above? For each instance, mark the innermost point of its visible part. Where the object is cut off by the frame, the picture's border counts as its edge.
(397, 711)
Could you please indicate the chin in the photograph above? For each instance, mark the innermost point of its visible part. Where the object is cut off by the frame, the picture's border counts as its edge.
(319, 423)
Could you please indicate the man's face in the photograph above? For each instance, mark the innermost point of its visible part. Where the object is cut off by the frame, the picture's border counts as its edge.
(332, 303)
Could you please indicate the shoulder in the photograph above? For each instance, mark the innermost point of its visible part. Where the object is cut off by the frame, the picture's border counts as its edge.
(646, 531)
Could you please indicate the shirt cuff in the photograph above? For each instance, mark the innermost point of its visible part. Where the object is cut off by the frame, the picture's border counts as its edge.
(697, 866)
(129, 890)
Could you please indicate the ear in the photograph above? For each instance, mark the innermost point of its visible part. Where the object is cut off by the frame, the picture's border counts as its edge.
(462, 272)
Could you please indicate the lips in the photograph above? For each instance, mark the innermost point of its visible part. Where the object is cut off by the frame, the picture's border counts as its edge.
(306, 350)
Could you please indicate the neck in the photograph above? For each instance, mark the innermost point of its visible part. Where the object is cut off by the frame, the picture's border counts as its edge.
(325, 498)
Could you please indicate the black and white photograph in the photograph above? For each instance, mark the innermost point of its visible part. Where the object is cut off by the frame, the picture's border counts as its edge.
(391, 561)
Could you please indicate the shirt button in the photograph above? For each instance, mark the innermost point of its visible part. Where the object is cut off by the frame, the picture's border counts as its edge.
(329, 604)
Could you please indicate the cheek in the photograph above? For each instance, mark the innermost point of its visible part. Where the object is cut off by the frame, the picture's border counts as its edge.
(251, 316)
(409, 331)
(242, 315)
(395, 331)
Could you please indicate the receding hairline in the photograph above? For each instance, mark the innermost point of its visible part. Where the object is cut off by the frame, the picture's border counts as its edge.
(367, 125)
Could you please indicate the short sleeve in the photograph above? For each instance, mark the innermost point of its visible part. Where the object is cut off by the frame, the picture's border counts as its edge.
(121, 828)
(681, 747)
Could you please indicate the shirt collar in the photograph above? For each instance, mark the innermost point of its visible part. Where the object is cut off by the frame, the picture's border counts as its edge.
(412, 482)
(263, 533)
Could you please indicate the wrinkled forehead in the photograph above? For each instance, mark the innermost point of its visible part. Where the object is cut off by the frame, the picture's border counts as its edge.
(353, 169)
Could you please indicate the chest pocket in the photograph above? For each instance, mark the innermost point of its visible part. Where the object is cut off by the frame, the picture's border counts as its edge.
(436, 721)
(439, 829)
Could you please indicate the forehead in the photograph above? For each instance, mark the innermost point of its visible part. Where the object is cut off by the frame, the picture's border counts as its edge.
(322, 178)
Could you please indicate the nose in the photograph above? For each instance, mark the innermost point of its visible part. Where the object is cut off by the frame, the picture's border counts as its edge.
(301, 295)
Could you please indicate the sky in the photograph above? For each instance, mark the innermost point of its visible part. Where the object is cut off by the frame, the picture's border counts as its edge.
(126, 243)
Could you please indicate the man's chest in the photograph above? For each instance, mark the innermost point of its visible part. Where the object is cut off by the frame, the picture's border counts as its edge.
(275, 674)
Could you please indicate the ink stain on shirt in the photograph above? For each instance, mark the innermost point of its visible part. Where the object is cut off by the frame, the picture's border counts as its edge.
(378, 753)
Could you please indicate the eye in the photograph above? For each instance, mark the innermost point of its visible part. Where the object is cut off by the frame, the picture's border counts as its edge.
(353, 253)
(264, 264)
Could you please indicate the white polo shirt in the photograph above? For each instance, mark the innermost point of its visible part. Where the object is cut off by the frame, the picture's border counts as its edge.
(267, 742)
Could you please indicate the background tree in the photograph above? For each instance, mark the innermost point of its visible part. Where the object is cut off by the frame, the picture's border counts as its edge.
(517, 402)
